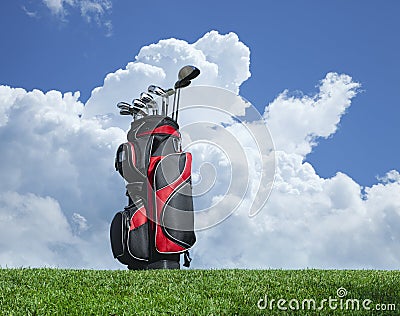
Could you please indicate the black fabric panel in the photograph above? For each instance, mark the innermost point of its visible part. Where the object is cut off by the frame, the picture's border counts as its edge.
(138, 242)
(182, 163)
(127, 166)
(169, 169)
(142, 146)
(156, 256)
(117, 235)
(119, 157)
(164, 145)
(178, 217)
(128, 246)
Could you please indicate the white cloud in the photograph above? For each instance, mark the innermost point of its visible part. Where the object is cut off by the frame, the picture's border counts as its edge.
(58, 177)
(80, 222)
(57, 6)
(309, 117)
(47, 150)
(91, 10)
(159, 63)
(391, 176)
(32, 14)
(309, 222)
(34, 231)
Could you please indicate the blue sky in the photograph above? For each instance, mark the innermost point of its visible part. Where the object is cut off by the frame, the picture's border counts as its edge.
(293, 45)
(333, 205)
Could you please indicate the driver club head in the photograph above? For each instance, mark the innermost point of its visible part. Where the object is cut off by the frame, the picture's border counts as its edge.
(188, 72)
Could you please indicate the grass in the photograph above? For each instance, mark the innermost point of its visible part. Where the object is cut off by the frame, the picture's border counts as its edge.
(191, 292)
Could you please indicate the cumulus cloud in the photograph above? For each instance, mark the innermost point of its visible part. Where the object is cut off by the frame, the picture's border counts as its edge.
(310, 222)
(57, 172)
(309, 117)
(49, 151)
(33, 230)
(159, 63)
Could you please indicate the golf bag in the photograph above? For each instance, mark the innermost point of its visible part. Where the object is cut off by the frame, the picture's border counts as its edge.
(157, 226)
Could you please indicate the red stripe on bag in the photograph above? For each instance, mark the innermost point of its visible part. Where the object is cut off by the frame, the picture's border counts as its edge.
(133, 153)
(152, 166)
(164, 245)
(166, 129)
(138, 219)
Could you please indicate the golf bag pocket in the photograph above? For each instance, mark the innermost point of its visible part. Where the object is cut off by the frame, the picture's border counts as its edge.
(129, 163)
(174, 204)
(129, 234)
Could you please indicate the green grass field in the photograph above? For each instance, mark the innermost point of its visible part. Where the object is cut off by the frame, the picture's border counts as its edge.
(198, 292)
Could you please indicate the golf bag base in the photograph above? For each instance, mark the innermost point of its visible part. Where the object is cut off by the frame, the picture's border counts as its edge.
(158, 224)
(162, 264)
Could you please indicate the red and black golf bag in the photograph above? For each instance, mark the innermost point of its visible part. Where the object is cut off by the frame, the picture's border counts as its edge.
(158, 224)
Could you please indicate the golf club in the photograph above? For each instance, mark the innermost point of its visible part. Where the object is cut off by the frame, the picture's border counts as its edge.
(138, 110)
(185, 75)
(153, 106)
(125, 109)
(122, 105)
(160, 92)
(168, 93)
(149, 101)
(139, 103)
(125, 112)
(145, 97)
(188, 72)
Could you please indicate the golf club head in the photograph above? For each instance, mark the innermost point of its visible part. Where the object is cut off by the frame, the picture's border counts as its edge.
(125, 112)
(137, 110)
(152, 105)
(188, 72)
(122, 105)
(145, 97)
(156, 90)
(139, 103)
(126, 108)
(182, 83)
(169, 92)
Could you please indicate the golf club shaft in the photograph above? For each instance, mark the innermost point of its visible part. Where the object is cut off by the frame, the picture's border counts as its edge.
(177, 105)
(173, 105)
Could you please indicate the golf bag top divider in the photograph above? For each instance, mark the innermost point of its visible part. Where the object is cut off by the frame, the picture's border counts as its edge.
(158, 224)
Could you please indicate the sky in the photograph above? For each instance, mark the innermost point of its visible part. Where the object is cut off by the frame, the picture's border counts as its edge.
(323, 76)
